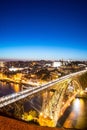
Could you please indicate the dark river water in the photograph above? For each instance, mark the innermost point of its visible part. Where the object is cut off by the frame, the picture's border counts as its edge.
(8, 88)
(74, 117)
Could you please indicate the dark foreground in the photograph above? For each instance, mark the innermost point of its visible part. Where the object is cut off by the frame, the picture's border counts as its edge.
(12, 124)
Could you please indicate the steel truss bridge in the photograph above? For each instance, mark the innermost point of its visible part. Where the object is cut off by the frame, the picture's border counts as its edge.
(52, 107)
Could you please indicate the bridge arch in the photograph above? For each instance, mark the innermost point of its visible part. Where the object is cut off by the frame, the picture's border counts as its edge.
(54, 106)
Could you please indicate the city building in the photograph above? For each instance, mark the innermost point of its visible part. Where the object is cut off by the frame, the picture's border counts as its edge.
(2, 63)
(56, 64)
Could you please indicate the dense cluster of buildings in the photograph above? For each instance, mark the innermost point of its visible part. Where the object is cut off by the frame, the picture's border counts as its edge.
(39, 71)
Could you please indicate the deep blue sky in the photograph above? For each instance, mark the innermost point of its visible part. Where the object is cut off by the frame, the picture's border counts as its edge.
(43, 29)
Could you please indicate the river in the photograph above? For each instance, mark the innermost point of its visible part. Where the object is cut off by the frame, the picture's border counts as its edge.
(8, 88)
(74, 117)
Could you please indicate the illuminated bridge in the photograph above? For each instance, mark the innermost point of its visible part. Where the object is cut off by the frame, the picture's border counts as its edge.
(53, 106)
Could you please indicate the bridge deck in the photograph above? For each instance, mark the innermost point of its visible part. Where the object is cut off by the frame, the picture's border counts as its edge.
(5, 100)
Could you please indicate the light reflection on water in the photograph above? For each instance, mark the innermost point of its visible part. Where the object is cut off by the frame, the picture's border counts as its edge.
(78, 115)
(8, 88)
(76, 105)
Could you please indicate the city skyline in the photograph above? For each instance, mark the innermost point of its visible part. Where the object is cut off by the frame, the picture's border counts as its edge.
(43, 29)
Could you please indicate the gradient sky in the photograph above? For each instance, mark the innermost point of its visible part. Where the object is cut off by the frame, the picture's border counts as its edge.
(43, 29)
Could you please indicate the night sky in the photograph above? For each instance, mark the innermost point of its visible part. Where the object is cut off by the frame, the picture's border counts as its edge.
(43, 29)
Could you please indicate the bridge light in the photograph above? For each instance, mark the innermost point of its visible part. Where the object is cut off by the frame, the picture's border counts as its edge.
(68, 104)
(51, 117)
(41, 114)
(85, 89)
(61, 113)
(81, 92)
(45, 116)
(78, 90)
